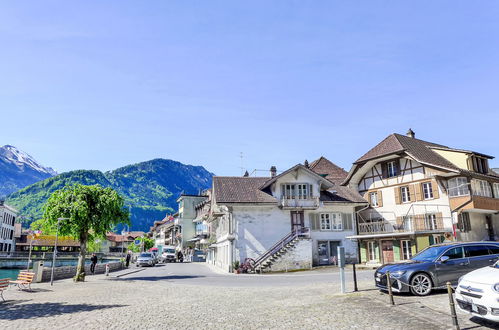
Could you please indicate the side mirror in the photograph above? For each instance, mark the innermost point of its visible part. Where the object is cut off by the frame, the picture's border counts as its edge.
(443, 259)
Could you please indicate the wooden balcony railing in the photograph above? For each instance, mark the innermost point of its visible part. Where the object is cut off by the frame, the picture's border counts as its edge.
(309, 202)
(416, 223)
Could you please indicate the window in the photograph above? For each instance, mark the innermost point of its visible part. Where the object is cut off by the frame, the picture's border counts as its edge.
(496, 190)
(437, 239)
(454, 253)
(493, 249)
(406, 249)
(427, 190)
(476, 251)
(431, 221)
(372, 250)
(463, 222)
(337, 223)
(405, 195)
(458, 187)
(325, 221)
(391, 170)
(481, 188)
(480, 164)
(408, 220)
(296, 191)
(374, 198)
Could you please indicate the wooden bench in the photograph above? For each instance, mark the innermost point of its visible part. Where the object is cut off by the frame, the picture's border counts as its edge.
(24, 280)
(4, 284)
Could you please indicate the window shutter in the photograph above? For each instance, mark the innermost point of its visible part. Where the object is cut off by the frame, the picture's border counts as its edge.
(397, 167)
(419, 222)
(412, 193)
(384, 170)
(434, 188)
(347, 221)
(440, 220)
(419, 191)
(400, 222)
(380, 198)
(313, 221)
(367, 197)
(397, 195)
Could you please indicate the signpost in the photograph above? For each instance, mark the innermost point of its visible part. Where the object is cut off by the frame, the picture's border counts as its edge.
(341, 264)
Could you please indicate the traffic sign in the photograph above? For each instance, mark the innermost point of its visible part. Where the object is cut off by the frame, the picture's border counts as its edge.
(137, 242)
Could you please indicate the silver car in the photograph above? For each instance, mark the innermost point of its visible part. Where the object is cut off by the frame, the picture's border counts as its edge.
(146, 259)
(436, 265)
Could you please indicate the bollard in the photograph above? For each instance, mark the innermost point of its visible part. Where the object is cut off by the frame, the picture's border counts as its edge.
(107, 269)
(355, 288)
(389, 285)
(452, 306)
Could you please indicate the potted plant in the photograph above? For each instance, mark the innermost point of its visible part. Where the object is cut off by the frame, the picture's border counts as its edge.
(235, 266)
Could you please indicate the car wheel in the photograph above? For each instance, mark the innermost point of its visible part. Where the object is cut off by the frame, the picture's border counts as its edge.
(421, 284)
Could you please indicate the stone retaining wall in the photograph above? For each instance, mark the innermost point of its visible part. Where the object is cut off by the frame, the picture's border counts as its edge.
(70, 271)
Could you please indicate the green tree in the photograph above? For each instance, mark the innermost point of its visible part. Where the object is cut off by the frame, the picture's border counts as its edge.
(91, 211)
(146, 242)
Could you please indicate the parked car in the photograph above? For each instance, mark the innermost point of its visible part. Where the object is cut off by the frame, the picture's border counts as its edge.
(436, 265)
(168, 254)
(145, 259)
(478, 293)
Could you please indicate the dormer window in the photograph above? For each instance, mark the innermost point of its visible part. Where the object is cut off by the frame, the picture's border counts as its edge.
(480, 164)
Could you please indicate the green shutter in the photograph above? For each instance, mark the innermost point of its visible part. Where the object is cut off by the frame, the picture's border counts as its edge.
(313, 221)
(396, 250)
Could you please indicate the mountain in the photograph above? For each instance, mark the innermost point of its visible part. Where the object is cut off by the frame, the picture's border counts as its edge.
(18, 170)
(150, 188)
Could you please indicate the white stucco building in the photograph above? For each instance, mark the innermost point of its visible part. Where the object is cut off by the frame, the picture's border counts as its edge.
(7, 220)
(293, 220)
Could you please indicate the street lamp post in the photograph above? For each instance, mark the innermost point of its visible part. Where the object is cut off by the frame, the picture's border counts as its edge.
(123, 232)
(55, 250)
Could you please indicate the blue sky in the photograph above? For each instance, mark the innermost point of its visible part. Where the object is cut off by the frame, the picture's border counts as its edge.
(102, 84)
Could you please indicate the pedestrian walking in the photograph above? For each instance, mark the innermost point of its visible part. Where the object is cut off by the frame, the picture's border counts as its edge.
(180, 256)
(128, 256)
(94, 262)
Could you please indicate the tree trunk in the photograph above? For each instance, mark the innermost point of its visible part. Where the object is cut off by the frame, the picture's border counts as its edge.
(80, 269)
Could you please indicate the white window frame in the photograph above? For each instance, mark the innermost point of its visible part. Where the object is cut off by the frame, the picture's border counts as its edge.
(427, 190)
(481, 188)
(391, 169)
(325, 221)
(406, 248)
(408, 222)
(496, 189)
(458, 187)
(405, 195)
(431, 221)
(336, 222)
(371, 250)
(374, 198)
(296, 191)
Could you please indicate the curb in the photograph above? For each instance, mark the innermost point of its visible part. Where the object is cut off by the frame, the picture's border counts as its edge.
(132, 272)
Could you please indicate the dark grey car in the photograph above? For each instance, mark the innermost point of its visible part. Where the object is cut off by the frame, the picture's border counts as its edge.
(436, 265)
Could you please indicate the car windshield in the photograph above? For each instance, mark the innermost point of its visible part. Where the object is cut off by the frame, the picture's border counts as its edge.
(170, 251)
(145, 255)
(430, 253)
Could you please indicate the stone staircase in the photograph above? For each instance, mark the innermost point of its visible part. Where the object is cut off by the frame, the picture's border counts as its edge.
(279, 249)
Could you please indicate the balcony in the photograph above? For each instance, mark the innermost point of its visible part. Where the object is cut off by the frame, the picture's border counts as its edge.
(299, 203)
(474, 202)
(416, 224)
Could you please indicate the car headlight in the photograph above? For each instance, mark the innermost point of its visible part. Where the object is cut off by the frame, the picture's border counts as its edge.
(398, 273)
(495, 287)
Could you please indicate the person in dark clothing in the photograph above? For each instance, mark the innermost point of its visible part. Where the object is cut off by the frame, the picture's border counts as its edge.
(94, 262)
(128, 256)
(180, 256)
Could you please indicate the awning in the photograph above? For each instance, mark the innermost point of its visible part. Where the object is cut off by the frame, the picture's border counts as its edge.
(195, 239)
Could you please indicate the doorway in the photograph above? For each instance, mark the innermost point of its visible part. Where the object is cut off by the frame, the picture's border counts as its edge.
(328, 252)
(490, 227)
(387, 251)
(297, 221)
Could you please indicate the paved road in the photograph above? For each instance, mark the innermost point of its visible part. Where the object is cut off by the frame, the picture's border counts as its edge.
(192, 296)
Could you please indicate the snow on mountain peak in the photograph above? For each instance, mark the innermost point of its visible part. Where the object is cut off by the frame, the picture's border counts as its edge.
(22, 159)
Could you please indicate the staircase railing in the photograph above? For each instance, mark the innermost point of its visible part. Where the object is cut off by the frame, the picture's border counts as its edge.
(303, 232)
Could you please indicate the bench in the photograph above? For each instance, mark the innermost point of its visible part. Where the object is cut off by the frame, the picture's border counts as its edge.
(24, 280)
(4, 284)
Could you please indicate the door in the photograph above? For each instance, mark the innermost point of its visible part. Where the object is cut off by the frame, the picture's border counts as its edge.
(333, 248)
(451, 270)
(490, 227)
(387, 249)
(297, 220)
(323, 250)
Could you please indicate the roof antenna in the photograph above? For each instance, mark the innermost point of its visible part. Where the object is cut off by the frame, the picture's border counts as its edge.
(242, 168)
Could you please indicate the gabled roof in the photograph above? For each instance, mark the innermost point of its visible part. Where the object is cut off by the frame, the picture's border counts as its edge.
(419, 149)
(341, 194)
(295, 168)
(230, 189)
(332, 172)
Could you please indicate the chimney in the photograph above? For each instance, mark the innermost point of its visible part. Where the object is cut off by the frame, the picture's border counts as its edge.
(306, 164)
(246, 174)
(273, 171)
(411, 134)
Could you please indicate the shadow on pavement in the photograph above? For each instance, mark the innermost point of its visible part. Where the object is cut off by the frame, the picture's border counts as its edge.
(159, 278)
(483, 323)
(35, 310)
